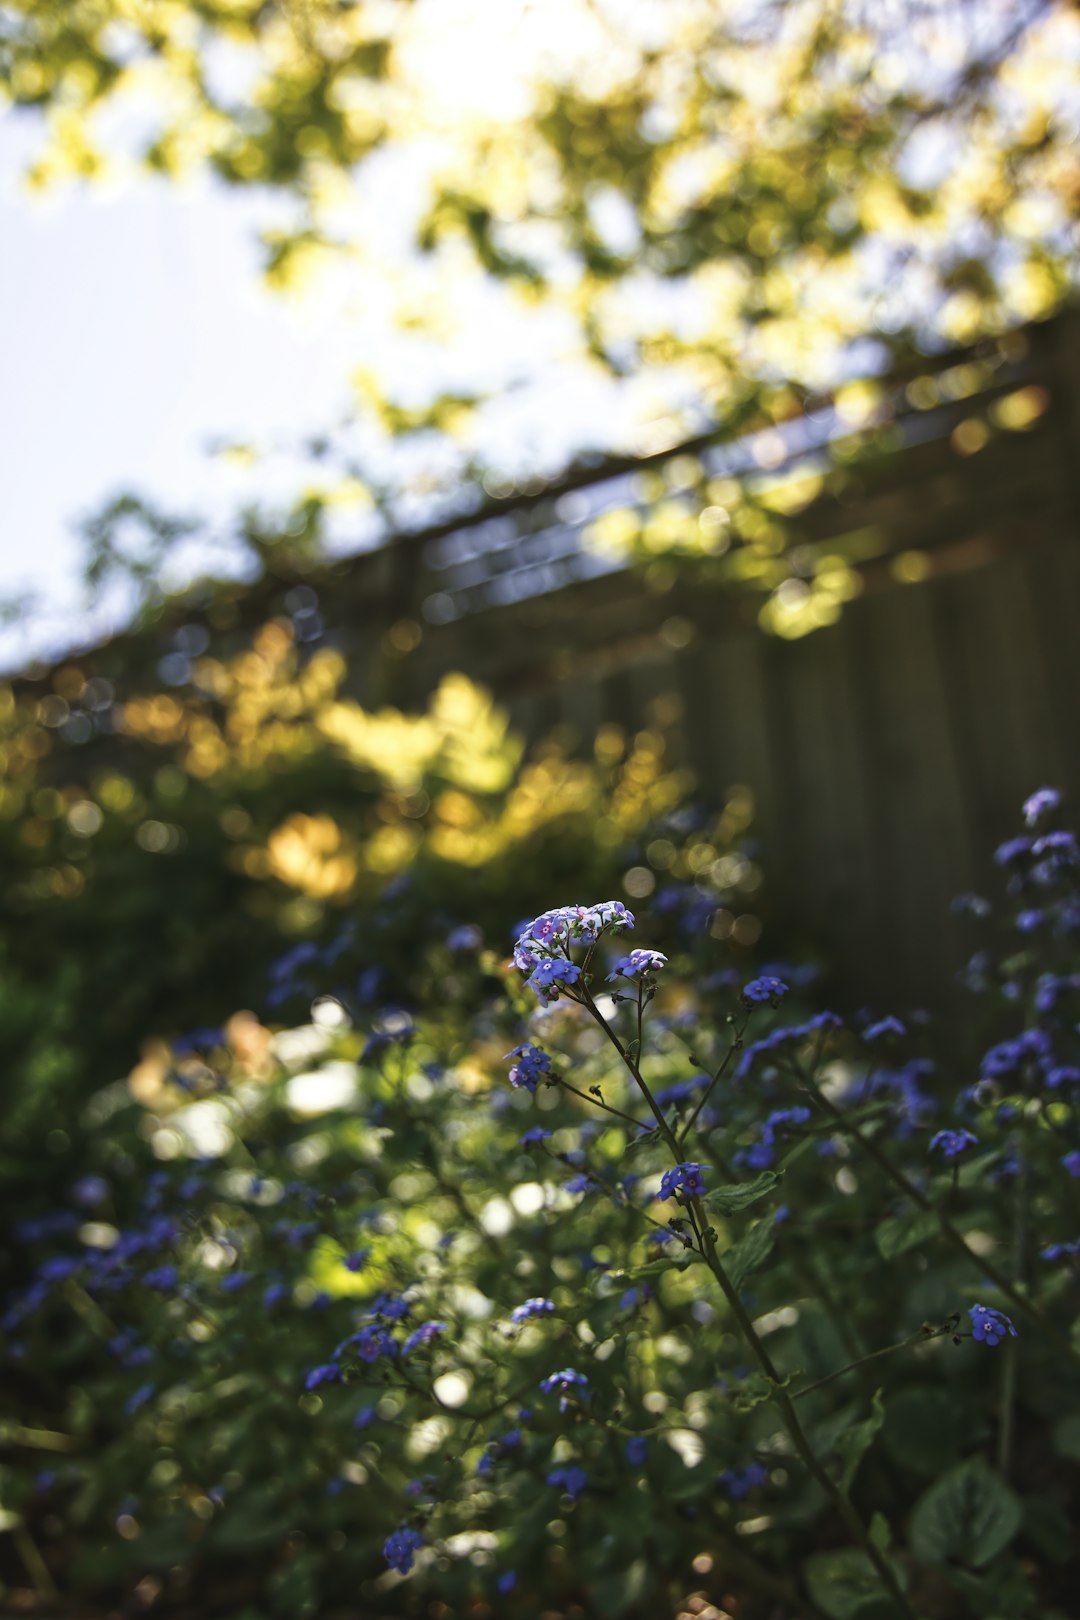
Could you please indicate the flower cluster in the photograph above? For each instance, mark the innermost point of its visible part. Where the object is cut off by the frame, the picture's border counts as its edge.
(766, 991)
(543, 948)
(531, 1307)
(401, 1548)
(531, 1066)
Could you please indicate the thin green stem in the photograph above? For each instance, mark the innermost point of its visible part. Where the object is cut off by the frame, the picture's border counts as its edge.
(598, 1102)
(735, 1046)
(786, 1407)
(922, 1201)
(922, 1337)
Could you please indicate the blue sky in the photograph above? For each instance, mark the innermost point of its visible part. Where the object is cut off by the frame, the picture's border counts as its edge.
(135, 327)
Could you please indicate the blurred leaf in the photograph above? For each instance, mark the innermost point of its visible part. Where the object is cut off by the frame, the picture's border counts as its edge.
(969, 1515)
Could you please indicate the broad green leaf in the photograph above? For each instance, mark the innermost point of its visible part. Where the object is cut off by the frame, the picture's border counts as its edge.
(853, 1443)
(1067, 1437)
(618, 1593)
(746, 1255)
(902, 1232)
(968, 1515)
(845, 1583)
(727, 1200)
(927, 1429)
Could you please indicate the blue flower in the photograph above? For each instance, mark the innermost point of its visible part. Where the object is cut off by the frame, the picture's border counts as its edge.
(365, 1417)
(766, 990)
(884, 1026)
(422, 1335)
(989, 1326)
(572, 1480)
(1055, 1251)
(532, 1307)
(639, 964)
(952, 1143)
(563, 1381)
(466, 938)
(507, 1581)
(532, 1065)
(401, 1547)
(139, 1398)
(1071, 1162)
(328, 1373)
(636, 1450)
(684, 1178)
(356, 1260)
(1041, 803)
(739, 1482)
(535, 1133)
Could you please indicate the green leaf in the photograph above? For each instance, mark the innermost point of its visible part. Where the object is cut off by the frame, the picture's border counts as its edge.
(853, 1443)
(645, 1139)
(746, 1255)
(682, 1261)
(968, 1515)
(755, 1390)
(615, 1594)
(902, 1232)
(845, 1583)
(1067, 1437)
(727, 1200)
(927, 1429)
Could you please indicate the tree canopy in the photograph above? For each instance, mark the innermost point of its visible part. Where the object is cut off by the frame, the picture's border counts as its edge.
(721, 204)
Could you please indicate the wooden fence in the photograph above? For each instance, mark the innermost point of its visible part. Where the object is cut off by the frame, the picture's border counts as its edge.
(886, 754)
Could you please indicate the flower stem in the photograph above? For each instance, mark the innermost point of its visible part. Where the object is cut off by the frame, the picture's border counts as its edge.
(783, 1401)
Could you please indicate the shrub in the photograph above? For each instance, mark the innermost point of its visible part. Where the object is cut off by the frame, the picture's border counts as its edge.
(602, 1276)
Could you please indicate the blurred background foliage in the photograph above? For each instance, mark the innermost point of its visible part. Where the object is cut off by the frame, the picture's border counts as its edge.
(163, 843)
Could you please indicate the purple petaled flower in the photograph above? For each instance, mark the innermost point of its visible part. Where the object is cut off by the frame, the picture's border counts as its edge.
(144, 1393)
(684, 1178)
(764, 991)
(401, 1547)
(235, 1280)
(535, 1133)
(1071, 1162)
(532, 1065)
(532, 1307)
(466, 938)
(572, 1480)
(1011, 850)
(328, 1373)
(636, 1450)
(551, 976)
(1041, 803)
(640, 964)
(422, 1335)
(365, 1417)
(356, 1260)
(1056, 1251)
(563, 1381)
(952, 1143)
(739, 1482)
(273, 1294)
(507, 1581)
(884, 1026)
(989, 1326)
(580, 1184)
